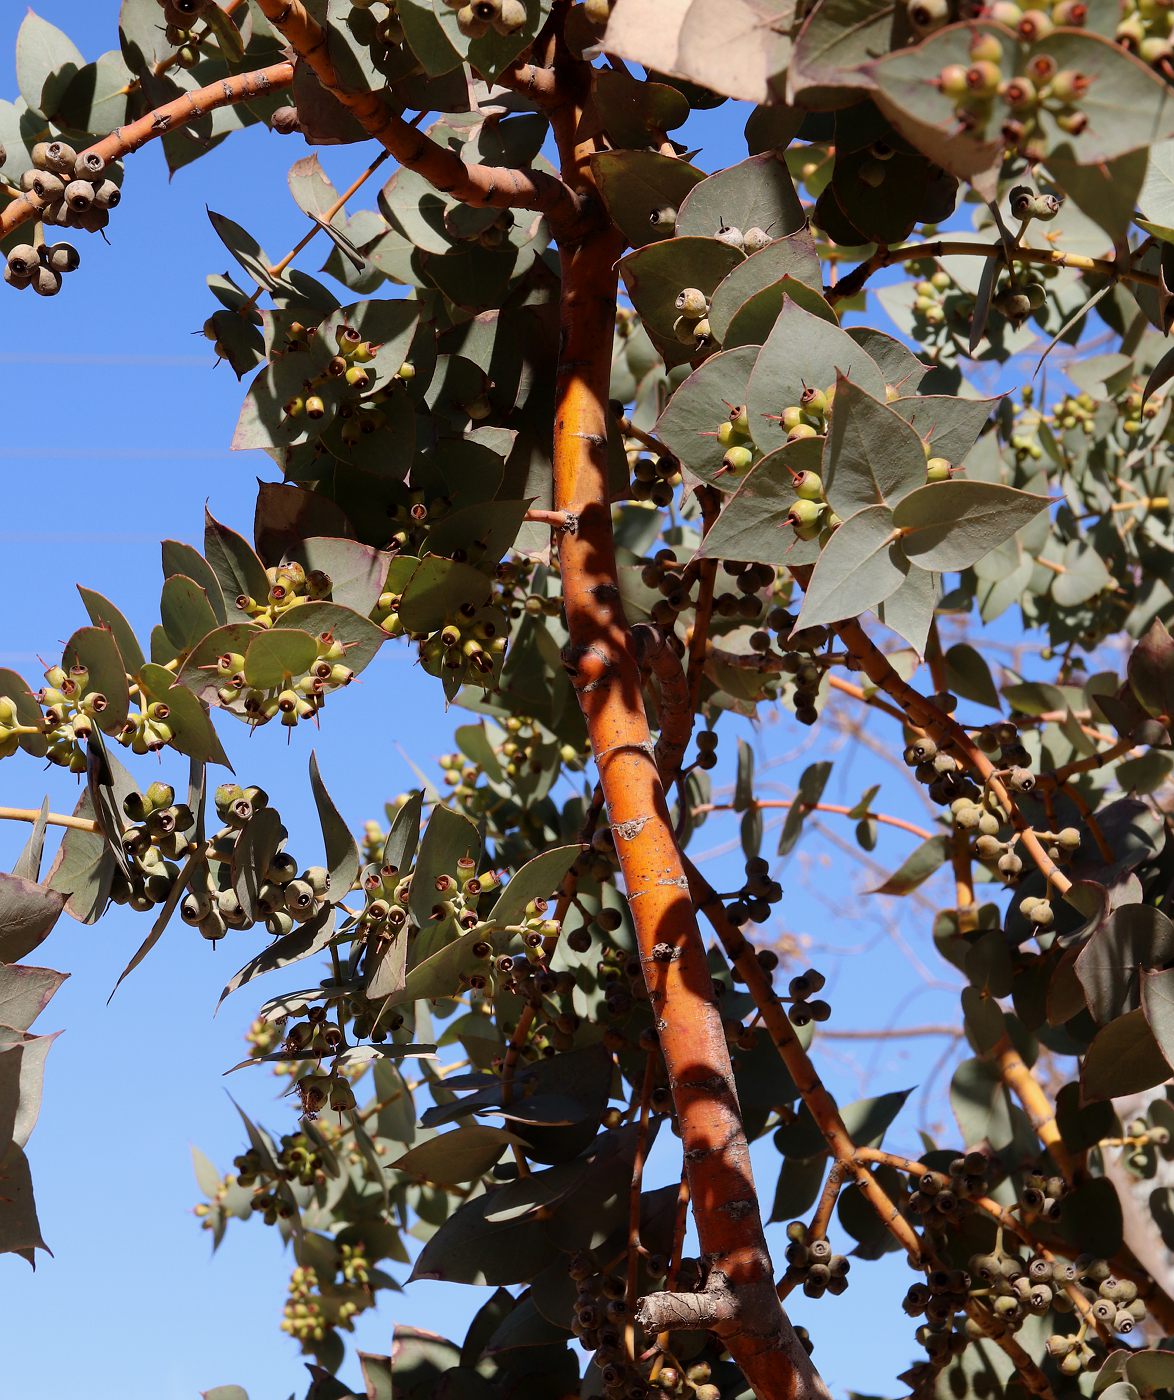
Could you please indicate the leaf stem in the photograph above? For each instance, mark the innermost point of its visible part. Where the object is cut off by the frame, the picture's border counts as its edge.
(33, 814)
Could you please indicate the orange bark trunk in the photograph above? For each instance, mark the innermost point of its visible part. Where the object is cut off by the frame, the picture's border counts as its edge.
(739, 1301)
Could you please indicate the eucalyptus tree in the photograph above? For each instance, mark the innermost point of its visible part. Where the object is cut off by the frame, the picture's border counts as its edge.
(578, 424)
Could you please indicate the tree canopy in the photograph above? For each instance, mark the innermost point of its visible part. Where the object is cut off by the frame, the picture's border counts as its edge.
(606, 441)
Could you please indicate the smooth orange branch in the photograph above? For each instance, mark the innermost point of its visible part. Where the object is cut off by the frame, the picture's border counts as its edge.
(1037, 1105)
(1028, 1373)
(498, 187)
(819, 1101)
(32, 814)
(827, 1200)
(739, 1301)
(859, 693)
(538, 84)
(767, 804)
(947, 731)
(124, 140)
(944, 248)
(556, 519)
(1118, 749)
(644, 438)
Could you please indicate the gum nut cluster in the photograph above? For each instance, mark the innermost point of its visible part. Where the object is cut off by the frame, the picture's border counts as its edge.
(1145, 29)
(733, 434)
(284, 898)
(71, 707)
(752, 903)
(40, 266)
(691, 326)
(351, 368)
(321, 1091)
(556, 1021)
(800, 991)
(297, 698)
(941, 773)
(290, 586)
(753, 240)
(157, 835)
(984, 91)
(179, 16)
(309, 1317)
(1148, 1141)
(314, 1038)
(940, 1197)
(1144, 26)
(74, 190)
(810, 516)
(798, 659)
(601, 1314)
(811, 1262)
(664, 573)
(654, 478)
(809, 417)
(468, 649)
(938, 301)
(476, 18)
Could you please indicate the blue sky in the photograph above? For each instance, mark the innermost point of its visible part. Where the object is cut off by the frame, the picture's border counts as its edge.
(116, 429)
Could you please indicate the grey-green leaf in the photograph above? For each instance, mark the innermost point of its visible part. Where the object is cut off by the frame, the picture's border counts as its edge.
(872, 455)
(342, 855)
(952, 524)
(860, 566)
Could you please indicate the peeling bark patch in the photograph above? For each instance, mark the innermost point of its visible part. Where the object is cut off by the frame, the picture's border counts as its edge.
(665, 952)
(629, 830)
(714, 1084)
(678, 881)
(737, 1210)
(602, 592)
(645, 747)
(597, 440)
(599, 683)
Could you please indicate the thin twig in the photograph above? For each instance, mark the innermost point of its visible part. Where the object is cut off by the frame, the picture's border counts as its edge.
(768, 803)
(944, 248)
(123, 140)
